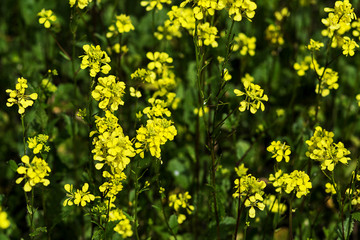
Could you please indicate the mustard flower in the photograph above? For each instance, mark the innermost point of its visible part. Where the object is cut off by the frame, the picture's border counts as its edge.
(38, 143)
(321, 148)
(349, 46)
(34, 172)
(18, 96)
(314, 45)
(123, 227)
(48, 86)
(144, 75)
(183, 17)
(96, 59)
(122, 24)
(241, 8)
(248, 78)
(200, 111)
(205, 8)
(328, 81)
(279, 150)
(151, 4)
(46, 17)
(355, 25)
(274, 205)
(341, 15)
(135, 93)
(168, 31)
(80, 197)
(241, 170)
(329, 188)
(109, 92)
(159, 60)
(245, 44)
(111, 146)
(113, 185)
(254, 96)
(226, 75)
(4, 222)
(283, 13)
(206, 35)
(178, 201)
(252, 189)
(358, 99)
(274, 35)
(80, 3)
(297, 182)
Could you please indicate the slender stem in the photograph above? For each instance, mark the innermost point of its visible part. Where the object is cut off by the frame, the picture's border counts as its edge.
(238, 213)
(291, 218)
(157, 173)
(136, 201)
(23, 130)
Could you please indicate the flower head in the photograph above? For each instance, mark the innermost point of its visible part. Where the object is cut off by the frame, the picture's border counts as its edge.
(18, 96)
(46, 17)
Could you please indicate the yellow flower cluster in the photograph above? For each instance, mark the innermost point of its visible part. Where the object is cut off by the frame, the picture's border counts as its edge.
(46, 17)
(251, 189)
(282, 14)
(109, 92)
(168, 31)
(159, 61)
(304, 65)
(314, 45)
(144, 75)
(122, 24)
(113, 185)
(254, 96)
(279, 150)
(349, 46)
(328, 81)
(96, 59)
(111, 146)
(206, 35)
(38, 143)
(34, 172)
(274, 205)
(329, 188)
(241, 8)
(48, 86)
(80, 3)
(81, 197)
(339, 17)
(123, 227)
(151, 4)
(183, 17)
(18, 96)
(178, 201)
(297, 182)
(321, 148)
(157, 131)
(4, 222)
(245, 44)
(274, 35)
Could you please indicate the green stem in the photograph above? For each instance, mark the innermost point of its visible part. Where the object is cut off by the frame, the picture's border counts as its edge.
(291, 218)
(136, 200)
(23, 130)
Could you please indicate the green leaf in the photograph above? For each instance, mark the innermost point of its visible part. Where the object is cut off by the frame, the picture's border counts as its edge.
(173, 223)
(13, 165)
(38, 231)
(64, 56)
(356, 216)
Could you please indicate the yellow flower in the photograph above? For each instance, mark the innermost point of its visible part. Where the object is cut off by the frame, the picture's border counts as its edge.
(279, 150)
(4, 222)
(254, 96)
(96, 59)
(80, 197)
(245, 44)
(314, 45)
(18, 96)
(349, 46)
(206, 35)
(274, 205)
(135, 93)
(81, 3)
(329, 188)
(46, 17)
(123, 227)
(274, 35)
(151, 4)
(122, 24)
(109, 92)
(34, 172)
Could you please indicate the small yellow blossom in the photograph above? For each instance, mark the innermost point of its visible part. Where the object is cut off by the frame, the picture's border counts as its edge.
(349, 46)
(329, 188)
(46, 17)
(123, 227)
(34, 172)
(18, 96)
(79, 197)
(254, 96)
(279, 150)
(96, 59)
(80, 3)
(122, 24)
(4, 222)
(151, 4)
(135, 93)
(314, 45)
